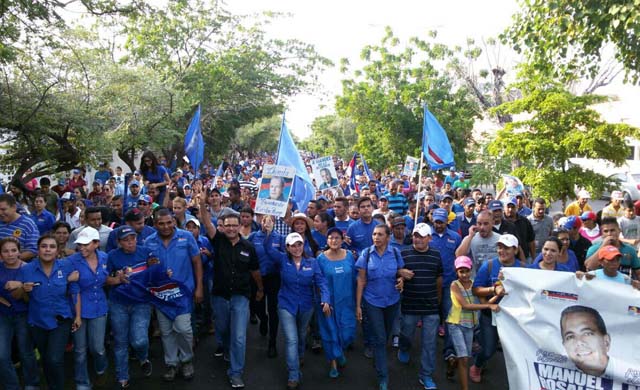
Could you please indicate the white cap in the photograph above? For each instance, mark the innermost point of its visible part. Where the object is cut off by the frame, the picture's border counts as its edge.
(194, 220)
(584, 194)
(292, 238)
(508, 240)
(617, 195)
(87, 235)
(422, 229)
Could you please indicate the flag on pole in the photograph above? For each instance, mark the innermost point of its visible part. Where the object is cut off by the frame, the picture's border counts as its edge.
(351, 173)
(288, 155)
(366, 170)
(193, 142)
(435, 143)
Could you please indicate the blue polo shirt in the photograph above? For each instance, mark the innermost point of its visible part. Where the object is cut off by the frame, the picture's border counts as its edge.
(18, 306)
(321, 239)
(259, 239)
(24, 230)
(49, 299)
(344, 225)
(380, 290)
(559, 267)
(361, 234)
(94, 300)
(176, 255)
(112, 241)
(44, 221)
(298, 285)
(135, 266)
(447, 245)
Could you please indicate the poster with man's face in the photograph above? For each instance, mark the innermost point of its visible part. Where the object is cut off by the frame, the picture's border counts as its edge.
(275, 189)
(560, 332)
(411, 165)
(324, 173)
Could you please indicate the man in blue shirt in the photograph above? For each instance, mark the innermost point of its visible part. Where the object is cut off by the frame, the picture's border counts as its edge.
(13, 224)
(360, 233)
(397, 202)
(134, 219)
(133, 196)
(341, 211)
(179, 253)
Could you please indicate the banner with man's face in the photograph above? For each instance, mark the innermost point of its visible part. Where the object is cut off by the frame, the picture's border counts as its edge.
(411, 165)
(275, 189)
(324, 173)
(561, 333)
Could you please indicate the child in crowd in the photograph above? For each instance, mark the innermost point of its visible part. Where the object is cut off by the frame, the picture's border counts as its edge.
(609, 257)
(463, 317)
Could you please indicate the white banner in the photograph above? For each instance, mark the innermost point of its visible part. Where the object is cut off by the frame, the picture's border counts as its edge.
(561, 333)
(411, 166)
(324, 173)
(275, 189)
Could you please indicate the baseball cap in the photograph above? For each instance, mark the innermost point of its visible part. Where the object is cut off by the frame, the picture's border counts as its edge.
(469, 202)
(134, 183)
(440, 215)
(125, 231)
(194, 220)
(97, 181)
(137, 172)
(446, 196)
(495, 205)
(422, 229)
(145, 198)
(463, 262)
(589, 215)
(584, 194)
(617, 195)
(292, 238)
(87, 235)
(383, 197)
(186, 186)
(322, 197)
(608, 252)
(397, 221)
(512, 201)
(570, 222)
(508, 240)
(75, 171)
(68, 196)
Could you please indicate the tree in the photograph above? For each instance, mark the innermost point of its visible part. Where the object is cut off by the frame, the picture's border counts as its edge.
(331, 135)
(567, 38)
(560, 126)
(261, 136)
(385, 99)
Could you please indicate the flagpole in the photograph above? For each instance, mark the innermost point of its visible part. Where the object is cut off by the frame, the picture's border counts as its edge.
(418, 193)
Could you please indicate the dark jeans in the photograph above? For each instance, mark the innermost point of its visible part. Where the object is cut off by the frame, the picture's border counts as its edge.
(51, 343)
(10, 327)
(267, 308)
(488, 340)
(380, 323)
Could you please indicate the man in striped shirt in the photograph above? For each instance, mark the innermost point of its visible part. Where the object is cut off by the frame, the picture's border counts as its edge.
(21, 227)
(421, 299)
(397, 202)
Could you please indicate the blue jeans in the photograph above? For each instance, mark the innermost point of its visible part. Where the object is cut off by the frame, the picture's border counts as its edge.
(10, 326)
(488, 340)
(90, 335)
(130, 325)
(232, 318)
(294, 328)
(379, 324)
(448, 350)
(50, 344)
(429, 336)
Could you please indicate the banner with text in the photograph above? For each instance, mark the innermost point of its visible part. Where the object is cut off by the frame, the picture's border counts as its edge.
(411, 165)
(561, 333)
(275, 189)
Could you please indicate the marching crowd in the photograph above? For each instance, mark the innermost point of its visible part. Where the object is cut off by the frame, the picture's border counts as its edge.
(163, 250)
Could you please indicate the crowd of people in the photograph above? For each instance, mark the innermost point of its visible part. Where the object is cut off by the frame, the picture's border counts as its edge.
(167, 251)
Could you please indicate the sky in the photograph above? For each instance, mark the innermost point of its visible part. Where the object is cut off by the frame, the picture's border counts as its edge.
(340, 29)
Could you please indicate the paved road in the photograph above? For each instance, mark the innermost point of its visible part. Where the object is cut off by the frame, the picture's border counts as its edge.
(270, 374)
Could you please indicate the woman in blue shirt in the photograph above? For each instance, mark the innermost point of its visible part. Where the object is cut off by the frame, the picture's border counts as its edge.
(322, 222)
(548, 258)
(301, 276)
(338, 331)
(154, 175)
(379, 282)
(48, 283)
(13, 321)
(91, 265)
(566, 258)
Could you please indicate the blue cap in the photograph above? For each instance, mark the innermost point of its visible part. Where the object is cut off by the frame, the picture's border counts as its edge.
(134, 183)
(145, 198)
(97, 181)
(446, 196)
(495, 205)
(322, 197)
(440, 215)
(125, 231)
(512, 201)
(469, 202)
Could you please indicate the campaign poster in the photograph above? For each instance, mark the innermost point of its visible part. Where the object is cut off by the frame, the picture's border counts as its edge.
(275, 189)
(324, 173)
(411, 165)
(512, 185)
(562, 333)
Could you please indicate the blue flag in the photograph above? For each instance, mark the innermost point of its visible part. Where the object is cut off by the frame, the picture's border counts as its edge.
(435, 143)
(193, 142)
(351, 173)
(366, 169)
(288, 155)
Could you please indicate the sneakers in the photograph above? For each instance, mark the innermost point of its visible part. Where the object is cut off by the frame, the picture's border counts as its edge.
(236, 382)
(219, 352)
(395, 342)
(333, 373)
(188, 371)
(475, 374)
(428, 383)
(382, 386)
(292, 385)
(123, 385)
(170, 374)
(316, 347)
(146, 368)
(403, 356)
(368, 352)
(452, 363)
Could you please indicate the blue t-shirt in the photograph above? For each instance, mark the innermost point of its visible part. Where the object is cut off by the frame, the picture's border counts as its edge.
(94, 300)
(135, 266)
(570, 266)
(447, 245)
(156, 176)
(177, 255)
(44, 221)
(484, 279)
(380, 290)
(619, 278)
(49, 298)
(320, 238)
(559, 267)
(361, 234)
(18, 306)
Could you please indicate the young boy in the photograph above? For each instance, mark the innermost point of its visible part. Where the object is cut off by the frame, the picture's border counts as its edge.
(609, 257)
(629, 225)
